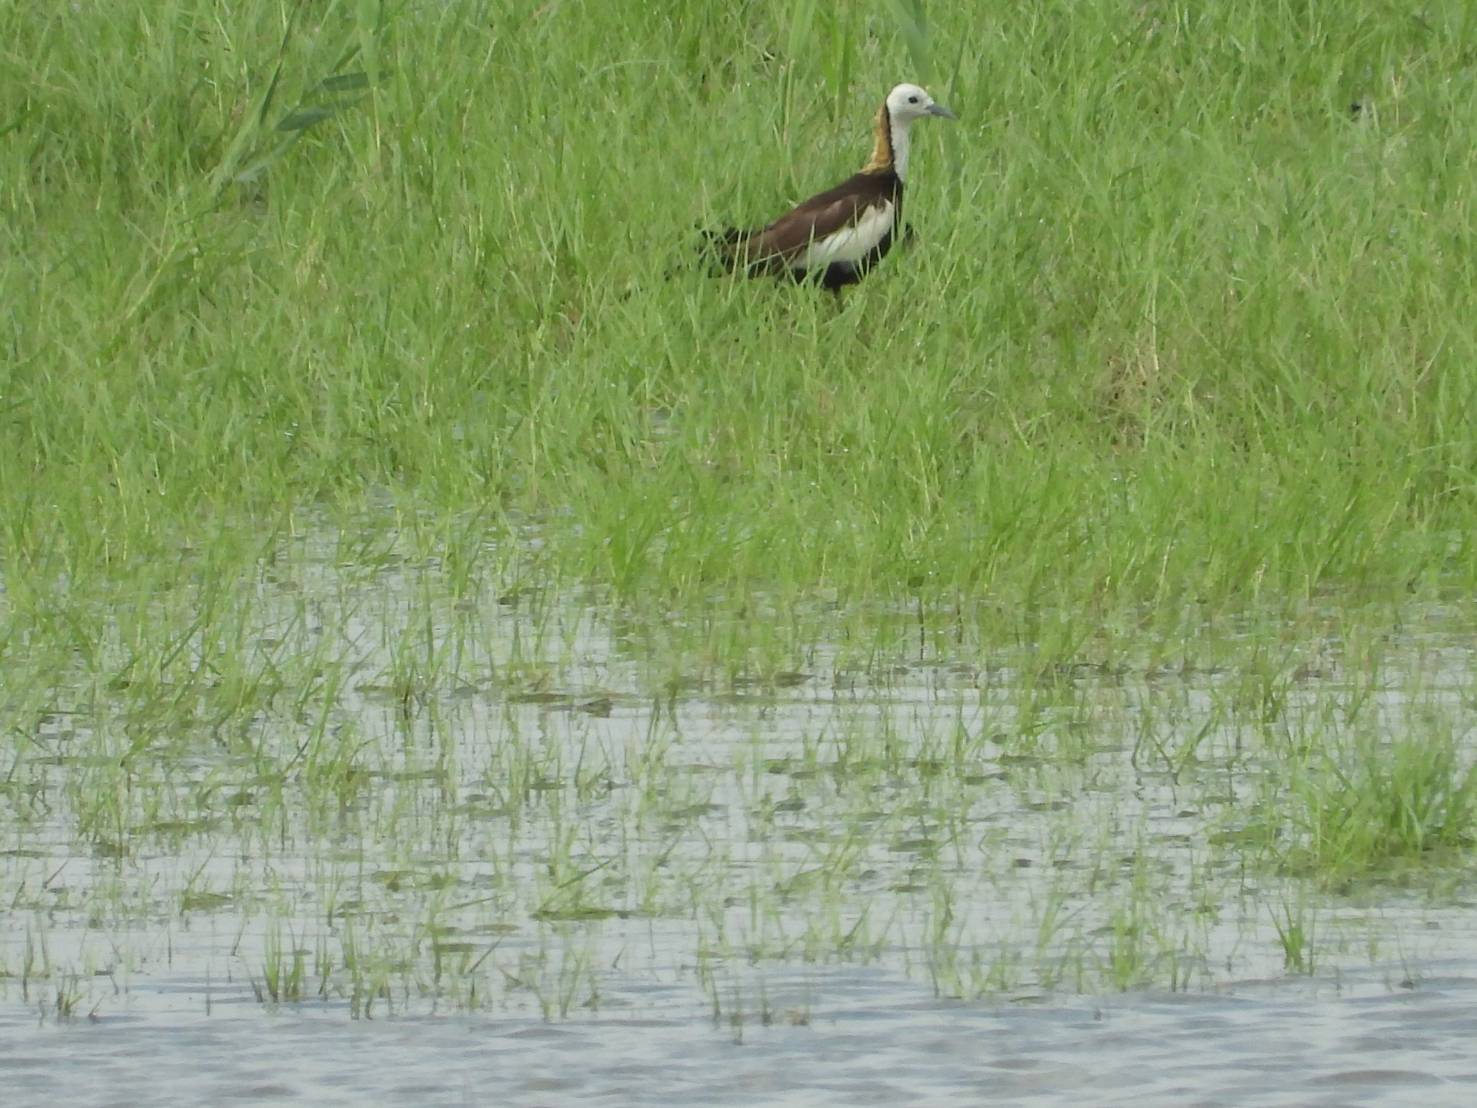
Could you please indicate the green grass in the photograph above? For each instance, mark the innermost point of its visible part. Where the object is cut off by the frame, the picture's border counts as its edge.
(1367, 805)
(1178, 327)
(372, 458)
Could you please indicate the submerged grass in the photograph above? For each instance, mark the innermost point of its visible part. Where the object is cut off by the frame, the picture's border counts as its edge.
(365, 432)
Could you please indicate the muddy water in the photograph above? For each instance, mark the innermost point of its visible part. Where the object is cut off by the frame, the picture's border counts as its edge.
(564, 865)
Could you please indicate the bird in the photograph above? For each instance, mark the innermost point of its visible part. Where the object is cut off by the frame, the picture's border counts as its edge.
(838, 235)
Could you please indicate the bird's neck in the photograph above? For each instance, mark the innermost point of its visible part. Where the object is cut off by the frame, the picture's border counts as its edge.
(889, 146)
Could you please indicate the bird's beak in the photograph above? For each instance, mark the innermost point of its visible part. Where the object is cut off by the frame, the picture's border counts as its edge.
(940, 110)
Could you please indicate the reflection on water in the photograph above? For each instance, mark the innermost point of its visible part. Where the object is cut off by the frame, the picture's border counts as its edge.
(353, 792)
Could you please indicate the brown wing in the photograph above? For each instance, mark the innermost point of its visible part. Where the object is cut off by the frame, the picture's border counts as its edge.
(821, 215)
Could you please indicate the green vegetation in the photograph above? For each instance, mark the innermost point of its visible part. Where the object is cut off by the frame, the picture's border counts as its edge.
(406, 556)
(1178, 326)
(1368, 804)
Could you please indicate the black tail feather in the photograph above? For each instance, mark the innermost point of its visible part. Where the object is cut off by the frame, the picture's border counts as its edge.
(719, 247)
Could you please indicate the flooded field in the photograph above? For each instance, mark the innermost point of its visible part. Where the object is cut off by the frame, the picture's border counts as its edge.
(536, 840)
(453, 648)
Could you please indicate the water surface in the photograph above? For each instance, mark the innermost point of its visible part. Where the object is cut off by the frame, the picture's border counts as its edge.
(364, 835)
(869, 1038)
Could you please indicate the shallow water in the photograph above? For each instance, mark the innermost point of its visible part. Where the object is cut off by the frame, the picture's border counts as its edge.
(367, 836)
(870, 1038)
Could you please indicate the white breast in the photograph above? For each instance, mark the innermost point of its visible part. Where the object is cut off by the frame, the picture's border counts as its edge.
(850, 244)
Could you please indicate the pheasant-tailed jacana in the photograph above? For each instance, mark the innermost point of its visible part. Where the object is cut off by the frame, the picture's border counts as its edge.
(839, 234)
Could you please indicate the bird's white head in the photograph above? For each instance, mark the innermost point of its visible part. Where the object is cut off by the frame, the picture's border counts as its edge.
(906, 103)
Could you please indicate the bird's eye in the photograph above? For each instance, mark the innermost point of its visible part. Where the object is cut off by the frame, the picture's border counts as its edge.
(912, 100)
